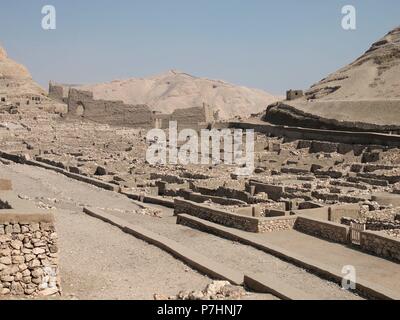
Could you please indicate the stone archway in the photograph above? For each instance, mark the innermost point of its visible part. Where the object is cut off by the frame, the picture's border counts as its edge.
(80, 109)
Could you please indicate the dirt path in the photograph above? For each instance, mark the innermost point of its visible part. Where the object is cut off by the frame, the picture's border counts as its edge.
(104, 253)
(99, 261)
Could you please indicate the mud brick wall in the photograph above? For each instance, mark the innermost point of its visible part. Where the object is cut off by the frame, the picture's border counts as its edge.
(323, 229)
(109, 112)
(28, 257)
(380, 245)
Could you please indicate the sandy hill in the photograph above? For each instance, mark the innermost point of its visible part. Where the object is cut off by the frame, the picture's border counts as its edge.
(15, 79)
(364, 95)
(374, 75)
(177, 90)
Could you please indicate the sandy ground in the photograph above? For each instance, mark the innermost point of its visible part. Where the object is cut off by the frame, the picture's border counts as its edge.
(242, 257)
(100, 262)
(97, 260)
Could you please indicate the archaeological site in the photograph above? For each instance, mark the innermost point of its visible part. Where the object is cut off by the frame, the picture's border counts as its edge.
(86, 214)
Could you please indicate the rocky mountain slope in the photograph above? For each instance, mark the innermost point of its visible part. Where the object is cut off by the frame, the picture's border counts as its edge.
(15, 79)
(177, 90)
(374, 75)
(364, 95)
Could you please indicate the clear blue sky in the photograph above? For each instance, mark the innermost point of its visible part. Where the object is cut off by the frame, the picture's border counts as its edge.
(271, 45)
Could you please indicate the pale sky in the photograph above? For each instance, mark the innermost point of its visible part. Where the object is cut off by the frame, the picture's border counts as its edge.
(270, 45)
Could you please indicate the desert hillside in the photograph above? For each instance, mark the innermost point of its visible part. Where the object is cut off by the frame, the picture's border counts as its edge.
(15, 79)
(364, 95)
(374, 75)
(177, 90)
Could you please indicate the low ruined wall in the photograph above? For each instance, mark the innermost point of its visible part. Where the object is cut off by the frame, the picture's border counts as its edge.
(372, 224)
(337, 212)
(323, 229)
(229, 219)
(218, 216)
(316, 213)
(225, 192)
(149, 199)
(28, 254)
(381, 245)
(277, 224)
(298, 133)
(187, 118)
(273, 192)
(200, 198)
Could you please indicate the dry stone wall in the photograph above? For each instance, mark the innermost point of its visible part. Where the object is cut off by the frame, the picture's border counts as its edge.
(381, 245)
(28, 257)
(323, 229)
(277, 224)
(229, 219)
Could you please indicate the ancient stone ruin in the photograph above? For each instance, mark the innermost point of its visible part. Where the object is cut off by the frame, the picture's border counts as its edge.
(324, 194)
(28, 248)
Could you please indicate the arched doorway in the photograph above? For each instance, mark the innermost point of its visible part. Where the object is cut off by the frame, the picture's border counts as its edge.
(80, 109)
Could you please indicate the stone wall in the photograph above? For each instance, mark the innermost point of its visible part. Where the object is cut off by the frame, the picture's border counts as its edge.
(188, 118)
(82, 103)
(56, 92)
(372, 224)
(337, 212)
(225, 218)
(277, 224)
(229, 219)
(323, 229)
(199, 198)
(299, 133)
(274, 192)
(28, 254)
(381, 245)
(225, 192)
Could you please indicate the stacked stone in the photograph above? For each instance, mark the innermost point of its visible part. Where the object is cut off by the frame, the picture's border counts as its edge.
(323, 229)
(276, 224)
(373, 224)
(28, 259)
(380, 244)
